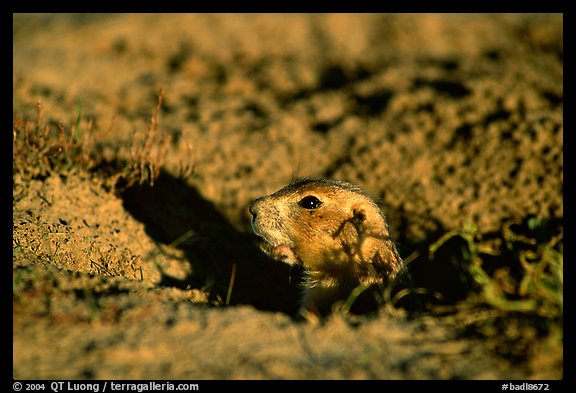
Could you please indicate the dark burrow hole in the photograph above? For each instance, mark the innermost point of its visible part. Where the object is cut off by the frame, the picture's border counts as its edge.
(216, 251)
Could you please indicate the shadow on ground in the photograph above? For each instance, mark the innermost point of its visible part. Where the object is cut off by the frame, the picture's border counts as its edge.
(220, 257)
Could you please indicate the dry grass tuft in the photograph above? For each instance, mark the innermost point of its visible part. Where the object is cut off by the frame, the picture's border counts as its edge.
(42, 148)
(146, 154)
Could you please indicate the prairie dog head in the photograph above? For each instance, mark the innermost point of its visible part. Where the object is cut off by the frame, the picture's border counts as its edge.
(328, 226)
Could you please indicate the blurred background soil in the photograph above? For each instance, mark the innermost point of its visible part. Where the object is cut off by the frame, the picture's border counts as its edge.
(447, 120)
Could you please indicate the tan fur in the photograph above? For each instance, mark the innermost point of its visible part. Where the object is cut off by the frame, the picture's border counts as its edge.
(341, 244)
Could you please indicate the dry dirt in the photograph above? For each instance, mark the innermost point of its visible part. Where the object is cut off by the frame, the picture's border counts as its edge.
(445, 119)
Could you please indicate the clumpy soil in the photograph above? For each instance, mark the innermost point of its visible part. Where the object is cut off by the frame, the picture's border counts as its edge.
(447, 120)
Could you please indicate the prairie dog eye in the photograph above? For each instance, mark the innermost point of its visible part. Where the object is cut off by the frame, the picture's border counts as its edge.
(310, 202)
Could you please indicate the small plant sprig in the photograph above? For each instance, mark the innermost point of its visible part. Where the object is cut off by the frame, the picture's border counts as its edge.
(538, 290)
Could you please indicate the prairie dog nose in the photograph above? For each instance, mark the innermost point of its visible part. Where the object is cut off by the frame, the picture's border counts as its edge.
(254, 207)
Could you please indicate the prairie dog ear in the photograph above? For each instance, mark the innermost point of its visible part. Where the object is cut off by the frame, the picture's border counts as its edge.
(368, 218)
(359, 215)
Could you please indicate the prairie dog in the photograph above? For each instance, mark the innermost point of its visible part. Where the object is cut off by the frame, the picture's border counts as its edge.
(334, 230)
